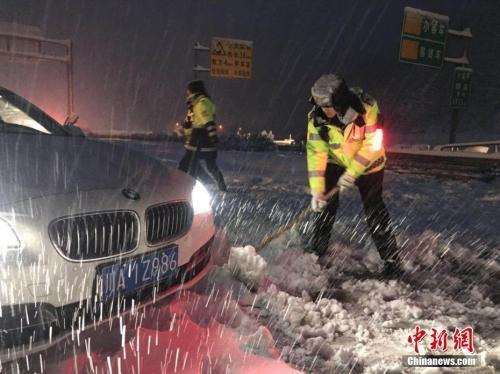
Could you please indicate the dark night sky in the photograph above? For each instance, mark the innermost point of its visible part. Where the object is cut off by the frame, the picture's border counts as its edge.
(133, 59)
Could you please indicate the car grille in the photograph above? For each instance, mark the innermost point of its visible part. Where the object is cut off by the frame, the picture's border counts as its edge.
(168, 221)
(95, 236)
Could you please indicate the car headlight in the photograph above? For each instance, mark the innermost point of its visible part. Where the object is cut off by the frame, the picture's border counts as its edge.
(8, 237)
(201, 199)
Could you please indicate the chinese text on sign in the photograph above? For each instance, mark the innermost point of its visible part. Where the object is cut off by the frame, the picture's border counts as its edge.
(231, 58)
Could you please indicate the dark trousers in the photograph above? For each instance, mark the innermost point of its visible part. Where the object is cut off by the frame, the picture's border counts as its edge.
(208, 160)
(377, 216)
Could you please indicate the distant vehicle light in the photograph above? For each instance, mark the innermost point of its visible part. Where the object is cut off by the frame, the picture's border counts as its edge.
(201, 199)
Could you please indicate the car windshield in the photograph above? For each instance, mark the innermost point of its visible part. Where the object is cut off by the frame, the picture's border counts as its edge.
(12, 117)
(19, 115)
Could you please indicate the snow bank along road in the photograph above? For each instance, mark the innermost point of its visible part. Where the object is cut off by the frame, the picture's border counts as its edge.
(335, 314)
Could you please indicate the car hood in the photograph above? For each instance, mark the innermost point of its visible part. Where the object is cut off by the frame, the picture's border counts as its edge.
(33, 166)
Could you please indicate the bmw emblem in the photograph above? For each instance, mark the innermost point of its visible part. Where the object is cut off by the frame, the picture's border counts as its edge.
(131, 194)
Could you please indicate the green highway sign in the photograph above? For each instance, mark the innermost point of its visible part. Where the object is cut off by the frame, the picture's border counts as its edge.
(460, 88)
(423, 37)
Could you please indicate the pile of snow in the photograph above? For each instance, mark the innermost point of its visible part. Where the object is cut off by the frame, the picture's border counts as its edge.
(246, 265)
(340, 317)
(297, 272)
(292, 270)
(310, 328)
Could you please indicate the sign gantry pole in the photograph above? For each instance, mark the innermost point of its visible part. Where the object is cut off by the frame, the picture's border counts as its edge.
(197, 68)
(461, 82)
(29, 46)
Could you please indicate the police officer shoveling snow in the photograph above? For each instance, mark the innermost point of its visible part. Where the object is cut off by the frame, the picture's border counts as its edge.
(344, 149)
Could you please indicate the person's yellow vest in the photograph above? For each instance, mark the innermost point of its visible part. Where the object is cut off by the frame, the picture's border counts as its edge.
(199, 126)
(358, 147)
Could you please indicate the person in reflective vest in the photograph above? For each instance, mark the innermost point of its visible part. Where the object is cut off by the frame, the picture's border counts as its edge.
(200, 132)
(344, 148)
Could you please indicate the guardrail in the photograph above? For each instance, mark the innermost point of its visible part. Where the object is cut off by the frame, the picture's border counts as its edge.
(456, 165)
(475, 147)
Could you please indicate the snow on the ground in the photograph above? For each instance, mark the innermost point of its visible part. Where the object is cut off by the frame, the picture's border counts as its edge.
(336, 314)
(343, 319)
(245, 264)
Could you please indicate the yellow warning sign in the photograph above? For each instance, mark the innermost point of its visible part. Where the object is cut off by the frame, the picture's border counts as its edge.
(231, 58)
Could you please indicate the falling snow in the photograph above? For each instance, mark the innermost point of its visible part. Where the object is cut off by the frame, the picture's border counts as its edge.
(279, 309)
(335, 314)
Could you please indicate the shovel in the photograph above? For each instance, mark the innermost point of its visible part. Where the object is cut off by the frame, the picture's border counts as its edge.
(297, 219)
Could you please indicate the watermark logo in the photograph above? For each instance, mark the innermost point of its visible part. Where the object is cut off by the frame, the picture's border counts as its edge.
(442, 361)
(462, 339)
(441, 341)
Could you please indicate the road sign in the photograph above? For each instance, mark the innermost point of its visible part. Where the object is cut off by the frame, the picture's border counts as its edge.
(231, 58)
(461, 87)
(423, 37)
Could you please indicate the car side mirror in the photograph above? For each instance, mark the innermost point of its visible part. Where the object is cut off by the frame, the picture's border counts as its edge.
(74, 130)
(70, 127)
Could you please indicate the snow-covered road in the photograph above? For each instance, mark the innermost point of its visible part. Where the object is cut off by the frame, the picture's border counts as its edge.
(337, 315)
(340, 316)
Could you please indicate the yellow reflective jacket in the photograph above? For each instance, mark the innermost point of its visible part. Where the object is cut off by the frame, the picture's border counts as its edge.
(199, 124)
(357, 147)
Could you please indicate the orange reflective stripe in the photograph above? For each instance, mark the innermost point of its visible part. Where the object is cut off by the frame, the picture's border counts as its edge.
(316, 173)
(370, 129)
(363, 161)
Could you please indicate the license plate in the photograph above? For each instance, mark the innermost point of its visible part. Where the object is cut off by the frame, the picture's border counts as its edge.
(136, 273)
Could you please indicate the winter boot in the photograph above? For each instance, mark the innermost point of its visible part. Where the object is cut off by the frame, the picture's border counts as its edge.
(392, 269)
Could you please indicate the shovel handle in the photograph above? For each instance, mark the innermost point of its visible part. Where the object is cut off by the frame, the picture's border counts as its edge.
(297, 219)
(330, 194)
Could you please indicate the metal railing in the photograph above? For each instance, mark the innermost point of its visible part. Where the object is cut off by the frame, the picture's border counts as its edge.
(476, 147)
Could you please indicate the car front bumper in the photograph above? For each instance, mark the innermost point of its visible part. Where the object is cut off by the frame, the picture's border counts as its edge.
(28, 328)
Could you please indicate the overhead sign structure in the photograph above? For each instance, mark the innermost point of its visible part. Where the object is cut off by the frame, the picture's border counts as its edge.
(423, 37)
(24, 43)
(231, 58)
(461, 87)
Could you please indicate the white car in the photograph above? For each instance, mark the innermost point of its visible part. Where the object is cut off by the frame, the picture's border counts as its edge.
(87, 226)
